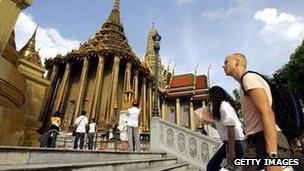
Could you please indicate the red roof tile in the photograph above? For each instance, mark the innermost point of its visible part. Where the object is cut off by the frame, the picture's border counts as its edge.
(182, 80)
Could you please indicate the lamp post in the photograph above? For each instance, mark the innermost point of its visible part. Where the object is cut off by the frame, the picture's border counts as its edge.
(156, 38)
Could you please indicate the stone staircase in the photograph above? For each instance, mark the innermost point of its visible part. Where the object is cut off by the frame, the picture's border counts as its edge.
(23, 158)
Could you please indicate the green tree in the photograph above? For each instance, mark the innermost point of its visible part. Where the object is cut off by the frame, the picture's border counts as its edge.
(237, 98)
(292, 73)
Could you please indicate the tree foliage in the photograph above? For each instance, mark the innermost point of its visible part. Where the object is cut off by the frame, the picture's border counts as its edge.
(237, 98)
(292, 73)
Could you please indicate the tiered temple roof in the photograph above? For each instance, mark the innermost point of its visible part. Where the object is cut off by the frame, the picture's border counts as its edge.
(110, 39)
(188, 85)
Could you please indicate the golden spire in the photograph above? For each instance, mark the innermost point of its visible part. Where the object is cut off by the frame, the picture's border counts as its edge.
(115, 14)
(29, 47)
(150, 53)
(29, 53)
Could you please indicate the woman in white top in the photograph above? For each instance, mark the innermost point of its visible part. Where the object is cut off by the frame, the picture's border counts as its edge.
(91, 133)
(223, 113)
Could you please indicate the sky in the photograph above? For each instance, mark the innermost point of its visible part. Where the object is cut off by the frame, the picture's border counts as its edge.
(193, 32)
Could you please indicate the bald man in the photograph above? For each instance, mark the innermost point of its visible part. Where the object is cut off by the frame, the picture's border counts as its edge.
(259, 119)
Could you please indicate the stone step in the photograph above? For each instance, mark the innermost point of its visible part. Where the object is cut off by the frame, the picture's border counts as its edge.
(121, 165)
(26, 155)
(172, 167)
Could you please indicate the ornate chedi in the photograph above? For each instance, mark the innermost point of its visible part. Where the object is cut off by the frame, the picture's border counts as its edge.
(32, 70)
(101, 77)
(12, 83)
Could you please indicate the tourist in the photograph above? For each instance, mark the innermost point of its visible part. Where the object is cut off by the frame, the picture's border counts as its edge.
(132, 126)
(81, 123)
(54, 130)
(221, 111)
(91, 133)
(260, 126)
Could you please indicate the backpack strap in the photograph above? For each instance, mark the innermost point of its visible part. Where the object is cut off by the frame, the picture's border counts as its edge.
(245, 92)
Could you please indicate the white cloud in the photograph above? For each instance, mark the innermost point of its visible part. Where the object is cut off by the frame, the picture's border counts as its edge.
(280, 27)
(180, 2)
(48, 40)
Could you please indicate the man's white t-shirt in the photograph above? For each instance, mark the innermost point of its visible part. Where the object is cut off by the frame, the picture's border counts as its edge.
(252, 117)
(133, 114)
(228, 118)
(81, 121)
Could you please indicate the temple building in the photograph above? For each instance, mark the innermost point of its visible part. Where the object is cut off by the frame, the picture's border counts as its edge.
(104, 75)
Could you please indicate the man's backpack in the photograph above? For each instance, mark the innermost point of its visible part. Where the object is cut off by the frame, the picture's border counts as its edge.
(287, 108)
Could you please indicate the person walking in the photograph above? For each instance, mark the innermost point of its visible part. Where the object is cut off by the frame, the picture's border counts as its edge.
(54, 130)
(81, 123)
(132, 127)
(91, 133)
(221, 112)
(259, 119)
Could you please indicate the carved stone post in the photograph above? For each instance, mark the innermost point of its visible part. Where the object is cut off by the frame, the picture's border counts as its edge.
(82, 83)
(127, 94)
(178, 112)
(164, 114)
(59, 97)
(192, 121)
(135, 84)
(97, 87)
(143, 122)
(113, 104)
(149, 108)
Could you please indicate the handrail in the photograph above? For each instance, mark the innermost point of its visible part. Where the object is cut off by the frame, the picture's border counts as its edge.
(187, 145)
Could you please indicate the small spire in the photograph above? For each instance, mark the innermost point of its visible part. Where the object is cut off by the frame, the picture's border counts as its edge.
(195, 69)
(208, 76)
(173, 68)
(29, 47)
(115, 14)
(153, 25)
(168, 65)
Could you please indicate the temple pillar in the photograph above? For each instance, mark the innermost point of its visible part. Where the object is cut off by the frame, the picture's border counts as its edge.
(178, 112)
(127, 93)
(192, 117)
(164, 114)
(82, 83)
(113, 104)
(135, 85)
(48, 94)
(143, 118)
(59, 97)
(149, 107)
(97, 88)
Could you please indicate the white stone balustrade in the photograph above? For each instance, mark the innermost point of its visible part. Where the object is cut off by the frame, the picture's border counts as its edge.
(187, 145)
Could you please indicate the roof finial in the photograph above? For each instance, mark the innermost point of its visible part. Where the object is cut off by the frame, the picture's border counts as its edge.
(115, 14)
(195, 69)
(153, 25)
(168, 65)
(173, 68)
